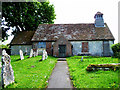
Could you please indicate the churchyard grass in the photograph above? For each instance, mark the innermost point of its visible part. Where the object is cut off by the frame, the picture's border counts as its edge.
(94, 79)
(30, 73)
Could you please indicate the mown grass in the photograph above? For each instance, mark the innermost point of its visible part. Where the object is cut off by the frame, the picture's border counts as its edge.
(30, 73)
(95, 79)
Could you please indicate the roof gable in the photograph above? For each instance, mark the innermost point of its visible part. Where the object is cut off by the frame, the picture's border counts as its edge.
(23, 37)
(62, 40)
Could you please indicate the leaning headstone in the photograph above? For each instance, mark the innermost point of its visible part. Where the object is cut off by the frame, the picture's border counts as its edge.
(82, 58)
(21, 55)
(37, 52)
(25, 51)
(0, 65)
(31, 53)
(7, 73)
(44, 55)
(4, 52)
(34, 53)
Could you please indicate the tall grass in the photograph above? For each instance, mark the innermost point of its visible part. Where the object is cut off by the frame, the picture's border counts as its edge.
(95, 79)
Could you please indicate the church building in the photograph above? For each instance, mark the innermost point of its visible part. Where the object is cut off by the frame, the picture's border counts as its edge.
(63, 40)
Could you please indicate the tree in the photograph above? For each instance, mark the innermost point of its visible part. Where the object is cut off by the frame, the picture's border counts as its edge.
(26, 15)
(116, 50)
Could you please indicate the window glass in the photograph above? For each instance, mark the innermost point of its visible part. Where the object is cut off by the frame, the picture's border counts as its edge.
(41, 45)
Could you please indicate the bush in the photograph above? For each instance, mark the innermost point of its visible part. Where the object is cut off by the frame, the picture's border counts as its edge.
(5, 46)
(116, 50)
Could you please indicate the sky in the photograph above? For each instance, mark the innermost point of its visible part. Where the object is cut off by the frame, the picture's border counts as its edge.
(83, 11)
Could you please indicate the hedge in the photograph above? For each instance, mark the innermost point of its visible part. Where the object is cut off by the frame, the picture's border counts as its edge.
(116, 50)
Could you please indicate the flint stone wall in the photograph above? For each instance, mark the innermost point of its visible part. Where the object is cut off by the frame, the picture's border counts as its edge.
(15, 49)
(95, 48)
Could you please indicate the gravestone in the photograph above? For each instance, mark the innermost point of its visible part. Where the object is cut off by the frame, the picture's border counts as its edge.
(7, 73)
(82, 58)
(25, 51)
(4, 52)
(31, 53)
(37, 52)
(0, 65)
(34, 53)
(44, 55)
(21, 55)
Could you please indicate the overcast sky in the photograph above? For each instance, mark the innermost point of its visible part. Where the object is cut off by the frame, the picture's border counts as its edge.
(83, 11)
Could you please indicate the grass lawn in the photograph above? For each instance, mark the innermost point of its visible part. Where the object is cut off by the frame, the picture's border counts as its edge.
(30, 73)
(95, 79)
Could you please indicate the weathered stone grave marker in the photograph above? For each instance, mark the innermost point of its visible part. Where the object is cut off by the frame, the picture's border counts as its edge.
(31, 53)
(0, 65)
(34, 53)
(44, 55)
(37, 52)
(82, 59)
(25, 51)
(4, 52)
(21, 55)
(7, 73)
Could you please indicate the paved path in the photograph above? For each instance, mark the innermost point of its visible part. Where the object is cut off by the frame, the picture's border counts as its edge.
(60, 76)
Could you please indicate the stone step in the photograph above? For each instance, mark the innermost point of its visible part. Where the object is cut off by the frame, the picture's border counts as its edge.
(61, 59)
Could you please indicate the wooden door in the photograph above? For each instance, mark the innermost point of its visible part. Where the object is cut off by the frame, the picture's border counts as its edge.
(106, 48)
(62, 50)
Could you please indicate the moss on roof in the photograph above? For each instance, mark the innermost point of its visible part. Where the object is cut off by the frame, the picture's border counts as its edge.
(23, 37)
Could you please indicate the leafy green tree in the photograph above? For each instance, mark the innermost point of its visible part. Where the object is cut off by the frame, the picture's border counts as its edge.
(26, 15)
(116, 50)
(5, 46)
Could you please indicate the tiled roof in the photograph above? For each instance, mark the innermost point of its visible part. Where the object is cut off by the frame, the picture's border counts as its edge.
(51, 32)
(23, 37)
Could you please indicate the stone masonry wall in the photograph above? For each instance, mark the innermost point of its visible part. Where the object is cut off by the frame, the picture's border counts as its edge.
(15, 49)
(94, 47)
(110, 43)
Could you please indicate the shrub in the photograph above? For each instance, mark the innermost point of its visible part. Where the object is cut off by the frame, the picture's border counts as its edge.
(5, 46)
(116, 50)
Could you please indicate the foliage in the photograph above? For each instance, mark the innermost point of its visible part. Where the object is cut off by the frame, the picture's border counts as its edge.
(5, 46)
(26, 15)
(30, 73)
(94, 79)
(116, 50)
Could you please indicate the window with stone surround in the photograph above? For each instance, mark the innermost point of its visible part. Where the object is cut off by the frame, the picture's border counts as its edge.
(41, 45)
